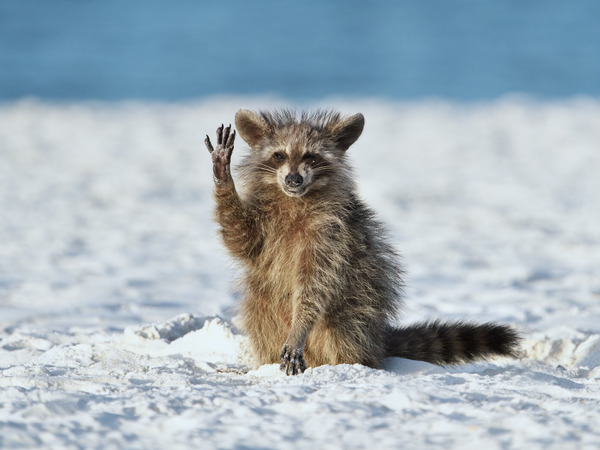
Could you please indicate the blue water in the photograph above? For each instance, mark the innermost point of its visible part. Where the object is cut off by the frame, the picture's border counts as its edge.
(181, 49)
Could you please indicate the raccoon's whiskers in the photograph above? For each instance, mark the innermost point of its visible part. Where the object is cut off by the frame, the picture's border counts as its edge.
(265, 168)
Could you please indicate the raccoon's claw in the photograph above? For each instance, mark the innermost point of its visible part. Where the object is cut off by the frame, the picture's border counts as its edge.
(292, 360)
(208, 144)
(221, 156)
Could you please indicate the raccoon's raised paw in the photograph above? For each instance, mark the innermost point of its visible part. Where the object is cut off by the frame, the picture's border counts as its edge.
(221, 156)
(292, 360)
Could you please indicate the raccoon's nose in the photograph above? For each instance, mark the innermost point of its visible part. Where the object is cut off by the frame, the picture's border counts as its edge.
(294, 180)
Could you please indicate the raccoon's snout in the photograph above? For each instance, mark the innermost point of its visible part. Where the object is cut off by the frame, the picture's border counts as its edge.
(294, 180)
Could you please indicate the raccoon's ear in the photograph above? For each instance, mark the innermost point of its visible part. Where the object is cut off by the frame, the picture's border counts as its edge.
(251, 127)
(346, 132)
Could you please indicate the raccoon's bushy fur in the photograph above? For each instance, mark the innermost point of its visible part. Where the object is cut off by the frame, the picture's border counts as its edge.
(321, 283)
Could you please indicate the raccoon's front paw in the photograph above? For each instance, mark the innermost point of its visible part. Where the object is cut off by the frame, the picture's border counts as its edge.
(221, 156)
(292, 360)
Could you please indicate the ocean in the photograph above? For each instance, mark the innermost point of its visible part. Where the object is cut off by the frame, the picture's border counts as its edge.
(167, 51)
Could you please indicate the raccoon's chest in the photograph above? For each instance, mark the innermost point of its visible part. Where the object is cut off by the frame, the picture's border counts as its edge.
(287, 251)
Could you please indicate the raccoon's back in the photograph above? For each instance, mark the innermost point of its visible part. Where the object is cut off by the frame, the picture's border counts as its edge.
(376, 272)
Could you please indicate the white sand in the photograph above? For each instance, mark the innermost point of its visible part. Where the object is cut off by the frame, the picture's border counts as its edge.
(111, 278)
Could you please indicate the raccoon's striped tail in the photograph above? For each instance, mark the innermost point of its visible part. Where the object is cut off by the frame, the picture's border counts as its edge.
(452, 342)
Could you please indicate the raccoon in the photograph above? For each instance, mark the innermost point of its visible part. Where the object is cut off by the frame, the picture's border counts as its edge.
(321, 283)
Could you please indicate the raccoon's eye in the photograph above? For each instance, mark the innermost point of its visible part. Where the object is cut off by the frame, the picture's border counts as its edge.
(278, 156)
(311, 159)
